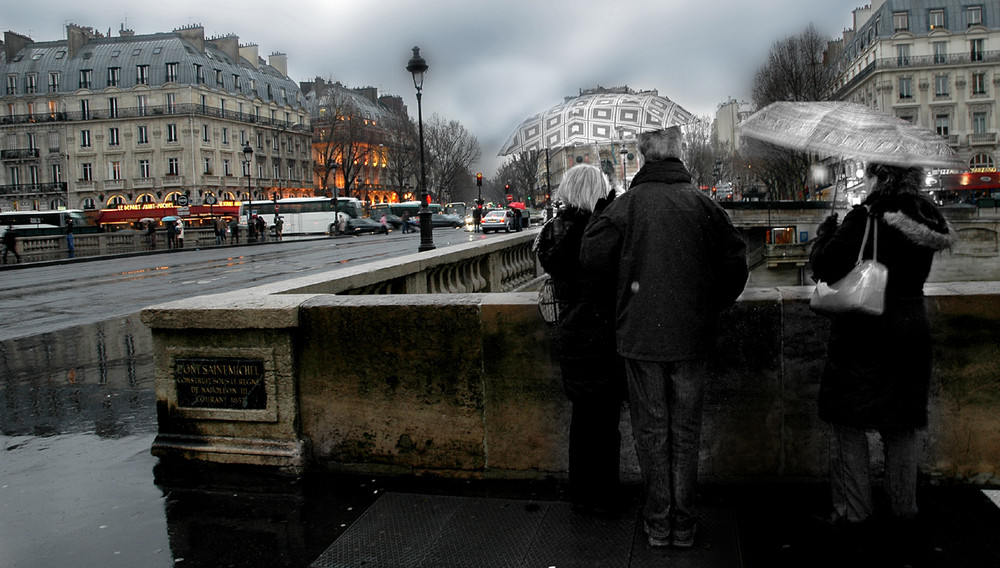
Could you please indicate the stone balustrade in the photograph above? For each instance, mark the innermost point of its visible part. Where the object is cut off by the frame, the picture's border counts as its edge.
(53, 247)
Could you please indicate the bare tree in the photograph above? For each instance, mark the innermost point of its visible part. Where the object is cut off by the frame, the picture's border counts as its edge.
(495, 189)
(345, 140)
(450, 152)
(523, 175)
(401, 153)
(699, 151)
(794, 71)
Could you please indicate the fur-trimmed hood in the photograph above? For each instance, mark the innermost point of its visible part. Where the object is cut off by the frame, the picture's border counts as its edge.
(916, 217)
(921, 233)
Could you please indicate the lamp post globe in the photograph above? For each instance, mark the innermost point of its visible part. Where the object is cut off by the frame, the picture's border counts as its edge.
(417, 67)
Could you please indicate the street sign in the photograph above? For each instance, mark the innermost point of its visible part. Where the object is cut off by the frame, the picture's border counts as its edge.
(510, 197)
(209, 200)
(183, 211)
(181, 200)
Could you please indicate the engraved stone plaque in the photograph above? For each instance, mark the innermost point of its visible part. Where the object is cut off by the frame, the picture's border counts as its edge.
(221, 383)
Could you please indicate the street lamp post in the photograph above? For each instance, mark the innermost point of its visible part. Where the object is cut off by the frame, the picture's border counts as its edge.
(417, 67)
(624, 153)
(248, 159)
(548, 188)
(336, 204)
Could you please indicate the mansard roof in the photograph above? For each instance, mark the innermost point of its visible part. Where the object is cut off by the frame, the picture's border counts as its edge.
(155, 51)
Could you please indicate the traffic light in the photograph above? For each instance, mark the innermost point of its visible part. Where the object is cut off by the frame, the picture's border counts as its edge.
(479, 179)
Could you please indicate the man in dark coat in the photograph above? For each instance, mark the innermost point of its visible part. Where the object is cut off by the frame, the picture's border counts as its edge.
(678, 261)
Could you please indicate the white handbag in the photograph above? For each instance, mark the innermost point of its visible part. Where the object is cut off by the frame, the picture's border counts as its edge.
(862, 290)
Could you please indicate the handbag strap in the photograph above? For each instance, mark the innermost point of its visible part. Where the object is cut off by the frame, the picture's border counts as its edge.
(864, 240)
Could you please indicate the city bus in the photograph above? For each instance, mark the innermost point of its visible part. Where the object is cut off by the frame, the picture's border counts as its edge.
(397, 209)
(302, 215)
(457, 208)
(52, 222)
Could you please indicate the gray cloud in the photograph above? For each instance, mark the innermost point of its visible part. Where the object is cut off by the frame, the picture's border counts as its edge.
(492, 64)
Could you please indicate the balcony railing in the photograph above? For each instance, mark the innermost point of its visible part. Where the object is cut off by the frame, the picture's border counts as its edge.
(28, 189)
(19, 154)
(983, 138)
(153, 112)
(891, 63)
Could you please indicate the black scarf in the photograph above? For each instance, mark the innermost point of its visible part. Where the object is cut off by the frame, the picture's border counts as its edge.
(670, 170)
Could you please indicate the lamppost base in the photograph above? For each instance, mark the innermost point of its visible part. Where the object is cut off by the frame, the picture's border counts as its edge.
(426, 231)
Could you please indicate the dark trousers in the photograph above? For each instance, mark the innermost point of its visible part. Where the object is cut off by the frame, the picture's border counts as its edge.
(666, 399)
(594, 438)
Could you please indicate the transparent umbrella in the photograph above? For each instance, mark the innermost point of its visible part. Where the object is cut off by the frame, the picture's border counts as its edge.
(849, 130)
(595, 118)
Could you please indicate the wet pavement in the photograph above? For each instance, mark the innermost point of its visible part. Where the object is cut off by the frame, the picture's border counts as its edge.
(78, 487)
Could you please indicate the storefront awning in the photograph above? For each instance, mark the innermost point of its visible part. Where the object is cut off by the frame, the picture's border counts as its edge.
(133, 213)
(971, 181)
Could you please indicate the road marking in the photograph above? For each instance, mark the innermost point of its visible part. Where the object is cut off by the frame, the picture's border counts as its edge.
(994, 495)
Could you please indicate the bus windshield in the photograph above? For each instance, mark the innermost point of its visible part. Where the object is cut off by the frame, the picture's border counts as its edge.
(456, 208)
(397, 209)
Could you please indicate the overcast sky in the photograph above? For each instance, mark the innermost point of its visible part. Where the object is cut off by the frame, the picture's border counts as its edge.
(491, 64)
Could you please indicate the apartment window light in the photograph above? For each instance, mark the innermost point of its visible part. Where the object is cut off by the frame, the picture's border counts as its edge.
(935, 19)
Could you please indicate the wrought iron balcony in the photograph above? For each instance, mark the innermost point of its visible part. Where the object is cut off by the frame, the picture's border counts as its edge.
(153, 112)
(29, 189)
(913, 62)
(19, 154)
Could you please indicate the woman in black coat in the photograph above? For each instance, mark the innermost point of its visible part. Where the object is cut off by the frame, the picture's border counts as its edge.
(583, 341)
(878, 368)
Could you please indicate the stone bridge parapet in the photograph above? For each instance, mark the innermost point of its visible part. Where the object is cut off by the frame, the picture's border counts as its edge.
(461, 384)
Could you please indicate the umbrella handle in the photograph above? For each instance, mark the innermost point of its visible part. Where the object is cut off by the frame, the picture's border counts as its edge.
(833, 202)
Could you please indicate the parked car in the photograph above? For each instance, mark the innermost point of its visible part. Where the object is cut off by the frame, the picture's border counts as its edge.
(497, 220)
(446, 220)
(394, 221)
(364, 225)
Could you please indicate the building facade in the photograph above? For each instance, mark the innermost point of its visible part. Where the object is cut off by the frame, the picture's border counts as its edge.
(95, 122)
(935, 63)
(728, 117)
(363, 144)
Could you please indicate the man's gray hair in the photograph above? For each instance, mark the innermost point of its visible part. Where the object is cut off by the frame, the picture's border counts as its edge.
(659, 145)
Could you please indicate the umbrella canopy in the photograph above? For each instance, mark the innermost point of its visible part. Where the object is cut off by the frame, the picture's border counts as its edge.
(517, 205)
(147, 220)
(595, 118)
(849, 130)
(169, 218)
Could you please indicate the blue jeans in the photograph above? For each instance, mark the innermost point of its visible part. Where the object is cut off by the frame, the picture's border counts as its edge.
(666, 400)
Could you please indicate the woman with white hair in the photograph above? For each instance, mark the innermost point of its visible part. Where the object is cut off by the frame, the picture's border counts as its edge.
(583, 341)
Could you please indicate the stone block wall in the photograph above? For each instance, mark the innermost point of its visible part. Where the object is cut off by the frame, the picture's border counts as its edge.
(462, 385)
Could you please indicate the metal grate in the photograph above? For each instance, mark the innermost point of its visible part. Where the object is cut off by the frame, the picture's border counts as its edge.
(424, 531)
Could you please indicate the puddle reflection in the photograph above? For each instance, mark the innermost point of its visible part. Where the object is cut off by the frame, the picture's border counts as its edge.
(111, 400)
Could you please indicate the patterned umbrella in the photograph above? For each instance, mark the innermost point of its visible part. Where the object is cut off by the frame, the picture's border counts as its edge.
(849, 130)
(597, 118)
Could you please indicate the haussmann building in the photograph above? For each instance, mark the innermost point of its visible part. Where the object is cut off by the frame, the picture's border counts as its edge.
(131, 126)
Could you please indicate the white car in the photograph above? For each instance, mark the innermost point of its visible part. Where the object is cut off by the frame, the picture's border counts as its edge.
(499, 220)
